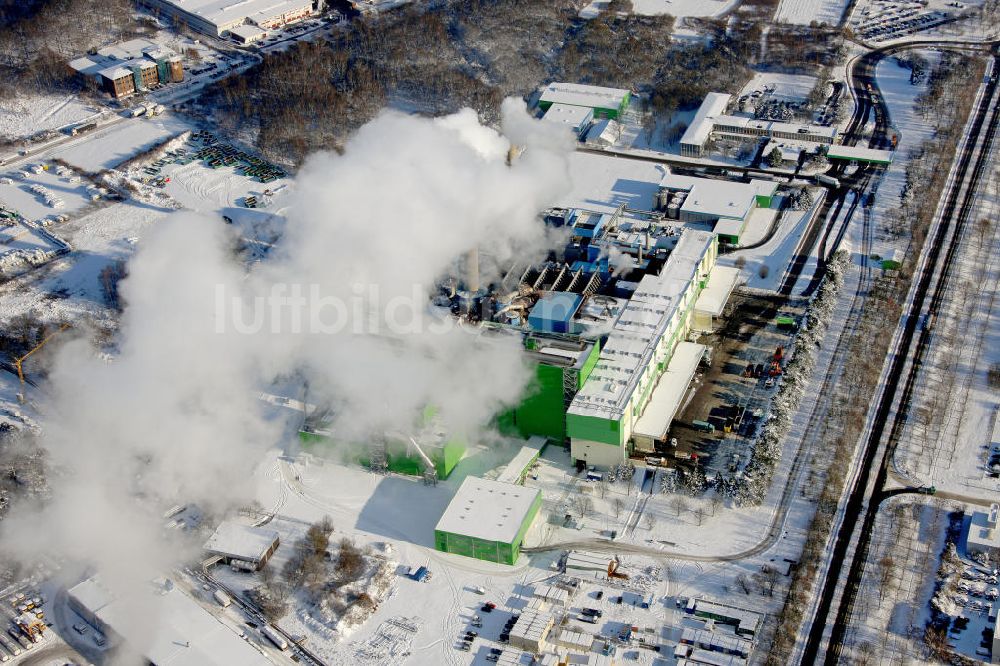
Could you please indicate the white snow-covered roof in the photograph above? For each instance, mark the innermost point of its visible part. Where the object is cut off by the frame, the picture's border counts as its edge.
(488, 510)
(713, 105)
(859, 153)
(669, 393)
(566, 114)
(115, 73)
(638, 329)
(512, 472)
(248, 33)
(167, 626)
(713, 297)
(984, 534)
(575, 94)
(241, 541)
(225, 14)
(771, 127)
(712, 197)
(604, 132)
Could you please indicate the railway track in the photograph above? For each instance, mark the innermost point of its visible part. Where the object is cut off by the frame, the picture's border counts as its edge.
(866, 493)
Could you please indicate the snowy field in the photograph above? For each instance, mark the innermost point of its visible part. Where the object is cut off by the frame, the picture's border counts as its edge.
(603, 183)
(24, 115)
(805, 12)
(107, 148)
(782, 87)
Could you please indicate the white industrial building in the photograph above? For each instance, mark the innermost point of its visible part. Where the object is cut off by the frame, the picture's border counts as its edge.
(218, 17)
(530, 631)
(711, 120)
(725, 203)
(983, 536)
(578, 119)
(163, 624)
(242, 545)
(604, 102)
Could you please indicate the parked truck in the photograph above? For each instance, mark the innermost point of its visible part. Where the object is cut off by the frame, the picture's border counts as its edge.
(273, 636)
(224, 599)
(823, 179)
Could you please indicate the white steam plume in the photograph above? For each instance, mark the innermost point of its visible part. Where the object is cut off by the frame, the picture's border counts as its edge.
(175, 413)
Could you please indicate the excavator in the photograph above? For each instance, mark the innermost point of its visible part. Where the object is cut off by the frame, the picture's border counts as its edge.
(613, 570)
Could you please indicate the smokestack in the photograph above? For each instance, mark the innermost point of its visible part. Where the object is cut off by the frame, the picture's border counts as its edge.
(472, 270)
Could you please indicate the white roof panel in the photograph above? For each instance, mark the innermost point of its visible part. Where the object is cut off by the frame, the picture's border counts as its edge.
(488, 510)
(639, 327)
(713, 297)
(240, 541)
(669, 392)
(577, 94)
(713, 105)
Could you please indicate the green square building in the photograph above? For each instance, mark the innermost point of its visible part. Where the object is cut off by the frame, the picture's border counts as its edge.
(561, 368)
(605, 102)
(487, 520)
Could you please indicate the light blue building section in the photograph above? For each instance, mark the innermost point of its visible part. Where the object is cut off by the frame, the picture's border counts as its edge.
(554, 311)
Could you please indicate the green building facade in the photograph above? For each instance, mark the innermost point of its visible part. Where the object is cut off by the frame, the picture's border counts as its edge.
(487, 520)
(557, 379)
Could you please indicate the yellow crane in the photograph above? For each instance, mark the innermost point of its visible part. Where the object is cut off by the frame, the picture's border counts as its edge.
(19, 361)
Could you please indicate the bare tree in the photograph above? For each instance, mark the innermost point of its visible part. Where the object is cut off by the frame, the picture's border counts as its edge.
(616, 506)
(700, 514)
(583, 505)
(769, 578)
(650, 520)
(679, 505)
(716, 502)
(744, 584)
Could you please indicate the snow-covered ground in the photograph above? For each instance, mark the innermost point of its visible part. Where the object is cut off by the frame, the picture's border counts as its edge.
(107, 148)
(676, 8)
(18, 195)
(26, 114)
(805, 12)
(781, 86)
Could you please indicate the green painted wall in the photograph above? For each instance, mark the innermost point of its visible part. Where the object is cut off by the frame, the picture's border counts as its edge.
(588, 365)
(542, 411)
(491, 551)
(764, 200)
(595, 429)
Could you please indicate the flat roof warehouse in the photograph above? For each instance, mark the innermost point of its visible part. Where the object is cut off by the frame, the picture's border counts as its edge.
(219, 16)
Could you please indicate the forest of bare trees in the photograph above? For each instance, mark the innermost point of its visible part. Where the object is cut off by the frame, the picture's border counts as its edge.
(38, 38)
(466, 53)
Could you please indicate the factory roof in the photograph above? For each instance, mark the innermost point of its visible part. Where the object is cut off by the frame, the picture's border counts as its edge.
(488, 510)
(224, 13)
(533, 625)
(669, 393)
(242, 542)
(712, 197)
(640, 325)
(748, 620)
(720, 285)
(575, 94)
(707, 658)
(248, 33)
(713, 105)
(168, 626)
(983, 529)
(524, 457)
(712, 639)
(87, 66)
(839, 152)
(770, 127)
(115, 72)
(567, 114)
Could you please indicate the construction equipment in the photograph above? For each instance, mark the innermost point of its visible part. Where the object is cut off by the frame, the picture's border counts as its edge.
(779, 354)
(613, 570)
(430, 471)
(19, 361)
(30, 626)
